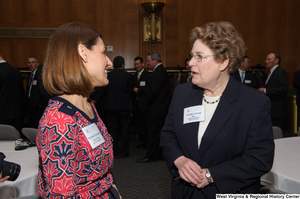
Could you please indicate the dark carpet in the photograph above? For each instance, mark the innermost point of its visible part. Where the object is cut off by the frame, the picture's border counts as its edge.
(141, 180)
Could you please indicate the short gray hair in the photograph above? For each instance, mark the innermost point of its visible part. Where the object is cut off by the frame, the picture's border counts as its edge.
(154, 55)
(34, 58)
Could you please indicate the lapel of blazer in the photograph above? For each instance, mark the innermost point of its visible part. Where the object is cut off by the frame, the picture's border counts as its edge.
(222, 114)
(236, 74)
(142, 77)
(158, 68)
(272, 76)
(192, 128)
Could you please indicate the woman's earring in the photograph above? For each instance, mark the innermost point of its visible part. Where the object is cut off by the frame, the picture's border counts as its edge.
(86, 60)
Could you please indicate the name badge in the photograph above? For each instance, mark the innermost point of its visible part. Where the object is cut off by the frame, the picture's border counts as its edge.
(247, 81)
(93, 135)
(34, 82)
(142, 83)
(194, 114)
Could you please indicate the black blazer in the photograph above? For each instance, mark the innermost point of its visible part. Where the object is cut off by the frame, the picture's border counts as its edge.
(250, 78)
(142, 86)
(296, 84)
(158, 92)
(119, 90)
(276, 89)
(237, 145)
(38, 95)
(12, 94)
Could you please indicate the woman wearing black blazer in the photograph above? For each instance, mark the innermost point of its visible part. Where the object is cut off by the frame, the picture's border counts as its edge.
(217, 137)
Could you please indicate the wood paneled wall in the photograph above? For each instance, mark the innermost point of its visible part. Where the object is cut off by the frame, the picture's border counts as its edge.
(266, 26)
(117, 21)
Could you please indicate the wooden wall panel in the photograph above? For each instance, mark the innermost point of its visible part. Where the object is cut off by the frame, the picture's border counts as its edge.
(6, 50)
(171, 36)
(17, 51)
(24, 48)
(117, 21)
(266, 26)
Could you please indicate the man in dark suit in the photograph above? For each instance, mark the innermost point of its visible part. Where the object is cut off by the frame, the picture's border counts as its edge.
(158, 100)
(12, 95)
(119, 105)
(37, 96)
(276, 89)
(296, 84)
(244, 76)
(140, 82)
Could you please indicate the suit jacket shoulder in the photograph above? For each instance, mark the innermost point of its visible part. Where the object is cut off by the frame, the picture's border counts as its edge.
(158, 91)
(236, 75)
(119, 90)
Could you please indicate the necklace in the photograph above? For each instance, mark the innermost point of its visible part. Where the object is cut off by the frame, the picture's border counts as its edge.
(211, 102)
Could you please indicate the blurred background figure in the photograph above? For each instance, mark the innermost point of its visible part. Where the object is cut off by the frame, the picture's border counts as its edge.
(158, 100)
(12, 95)
(246, 77)
(296, 84)
(188, 76)
(140, 82)
(119, 105)
(37, 97)
(276, 88)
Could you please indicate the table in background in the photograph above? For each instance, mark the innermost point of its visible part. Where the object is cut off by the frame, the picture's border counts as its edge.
(26, 183)
(285, 174)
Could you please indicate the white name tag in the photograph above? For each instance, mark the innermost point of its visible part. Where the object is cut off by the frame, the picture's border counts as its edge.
(194, 114)
(247, 81)
(142, 83)
(34, 82)
(93, 135)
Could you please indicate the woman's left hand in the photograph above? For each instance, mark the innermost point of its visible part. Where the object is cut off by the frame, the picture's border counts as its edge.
(115, 186)
(204, 182)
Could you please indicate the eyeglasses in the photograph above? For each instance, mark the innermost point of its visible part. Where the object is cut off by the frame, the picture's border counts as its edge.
(198, 57)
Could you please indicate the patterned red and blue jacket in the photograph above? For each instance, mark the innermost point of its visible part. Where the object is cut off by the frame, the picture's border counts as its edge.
(68, 166)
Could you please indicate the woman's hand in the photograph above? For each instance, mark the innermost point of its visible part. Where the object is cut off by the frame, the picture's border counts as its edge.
(3, 179)
(115, 186)
(189, 171)
(204, 181)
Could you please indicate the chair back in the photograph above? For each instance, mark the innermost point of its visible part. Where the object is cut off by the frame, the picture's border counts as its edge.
(277, 132)
(30, 133)
(8, 132)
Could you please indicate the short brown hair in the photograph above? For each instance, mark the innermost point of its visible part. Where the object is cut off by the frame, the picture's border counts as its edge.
(224, 41)
(64, 71)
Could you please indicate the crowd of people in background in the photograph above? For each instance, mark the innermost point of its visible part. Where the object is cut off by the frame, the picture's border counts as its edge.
(144, 98)
(146, 95)
(128, 98)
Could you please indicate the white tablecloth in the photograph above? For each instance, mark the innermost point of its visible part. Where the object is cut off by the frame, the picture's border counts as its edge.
(285, 174)
(26, 183)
